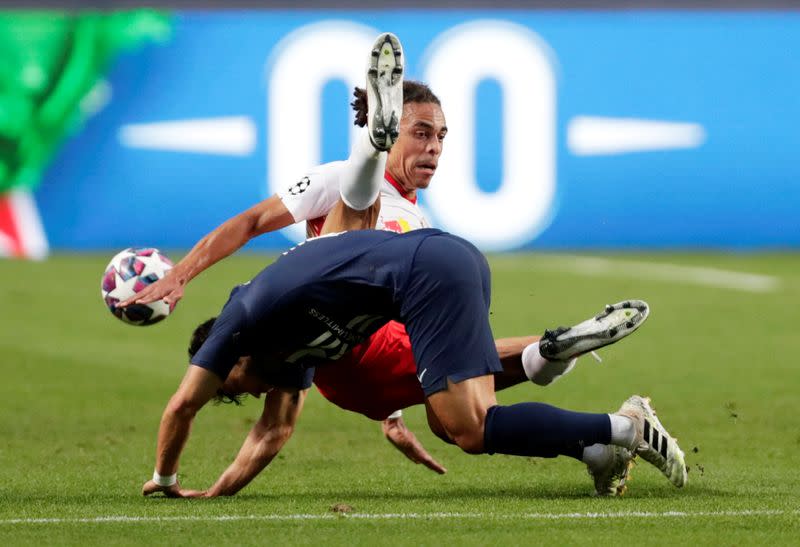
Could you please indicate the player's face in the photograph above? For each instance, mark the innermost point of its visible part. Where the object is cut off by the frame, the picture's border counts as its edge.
(414, 157)
(244, 379)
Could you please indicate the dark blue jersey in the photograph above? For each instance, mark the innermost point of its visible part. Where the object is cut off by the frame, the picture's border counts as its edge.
(327, 294)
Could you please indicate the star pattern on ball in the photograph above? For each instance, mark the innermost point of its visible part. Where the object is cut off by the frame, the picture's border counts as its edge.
(153, 264)
(124, 288)
(119, 257)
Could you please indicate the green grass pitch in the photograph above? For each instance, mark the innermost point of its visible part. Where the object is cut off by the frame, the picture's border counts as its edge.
(82, 395)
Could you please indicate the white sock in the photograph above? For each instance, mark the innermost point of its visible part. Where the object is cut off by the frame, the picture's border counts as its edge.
(596, 456)
(623, 430)
(360, 183)
(540, 370)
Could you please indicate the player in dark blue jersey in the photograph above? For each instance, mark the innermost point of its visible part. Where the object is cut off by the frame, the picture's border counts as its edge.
(323, 297)
(319, 298)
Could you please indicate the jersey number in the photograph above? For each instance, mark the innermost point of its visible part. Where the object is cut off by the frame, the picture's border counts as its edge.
(328, 346)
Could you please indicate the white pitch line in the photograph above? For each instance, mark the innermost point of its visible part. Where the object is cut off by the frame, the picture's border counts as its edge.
(657, 271)
(407, 516)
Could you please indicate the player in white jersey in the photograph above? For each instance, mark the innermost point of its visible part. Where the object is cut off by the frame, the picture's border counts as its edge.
(385, 359)
(314, 195)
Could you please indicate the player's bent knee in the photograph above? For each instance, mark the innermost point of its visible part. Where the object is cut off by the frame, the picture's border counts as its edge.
(461, 410)
(466, 433)
(470, 442)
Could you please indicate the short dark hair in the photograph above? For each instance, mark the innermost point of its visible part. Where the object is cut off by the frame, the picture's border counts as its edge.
(413, 92)
(199, 336)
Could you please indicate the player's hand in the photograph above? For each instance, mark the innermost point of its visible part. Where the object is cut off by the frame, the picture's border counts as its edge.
(174, 491)
(194, 494)
(168, 288)
(406, 442)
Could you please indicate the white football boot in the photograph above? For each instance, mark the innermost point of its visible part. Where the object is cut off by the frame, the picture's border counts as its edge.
(385, 91)
(614, 323)
(610, 479)
(652, 442)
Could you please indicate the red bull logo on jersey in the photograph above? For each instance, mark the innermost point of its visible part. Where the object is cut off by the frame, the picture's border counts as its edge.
(399, 226)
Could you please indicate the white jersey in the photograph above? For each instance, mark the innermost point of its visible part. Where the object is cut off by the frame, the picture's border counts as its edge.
(398, 213)
(315, 194)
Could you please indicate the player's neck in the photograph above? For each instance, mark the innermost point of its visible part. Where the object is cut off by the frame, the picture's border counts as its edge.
(408, 192)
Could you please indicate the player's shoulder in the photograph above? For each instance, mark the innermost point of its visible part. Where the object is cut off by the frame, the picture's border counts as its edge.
(320, 178)
(314, 193)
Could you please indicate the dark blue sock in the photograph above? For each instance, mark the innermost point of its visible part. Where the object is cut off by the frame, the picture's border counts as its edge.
(537, 429)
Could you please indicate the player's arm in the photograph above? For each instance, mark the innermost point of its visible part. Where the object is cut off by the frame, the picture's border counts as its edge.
(197, 388)
(282, 407)
(267, 216)
(402, 438)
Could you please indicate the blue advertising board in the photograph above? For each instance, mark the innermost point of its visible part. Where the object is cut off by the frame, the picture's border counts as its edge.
(567, 129)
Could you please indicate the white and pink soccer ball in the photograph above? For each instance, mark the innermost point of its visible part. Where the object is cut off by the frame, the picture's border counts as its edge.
(129, 272)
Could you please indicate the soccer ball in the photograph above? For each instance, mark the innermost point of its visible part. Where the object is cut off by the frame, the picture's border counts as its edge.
(129, 272)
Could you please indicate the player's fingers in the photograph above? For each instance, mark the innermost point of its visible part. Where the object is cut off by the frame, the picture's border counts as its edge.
(417, 454)
(147, 295)
(153, 292)
(411, 453)
(170, 295)
(433, 465)
(172, 298)
(192, 493)
(128, 301)
(136, 298)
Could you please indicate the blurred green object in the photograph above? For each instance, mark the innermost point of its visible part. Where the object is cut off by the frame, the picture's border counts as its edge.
(52, 65)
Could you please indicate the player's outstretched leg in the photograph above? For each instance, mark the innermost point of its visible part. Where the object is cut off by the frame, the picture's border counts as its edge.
(385, 91)
(554, 354)
(614, 323)
(652, 442)
(361, 181)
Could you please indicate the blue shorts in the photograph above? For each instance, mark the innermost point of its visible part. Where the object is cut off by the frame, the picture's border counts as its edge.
(446, 313)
